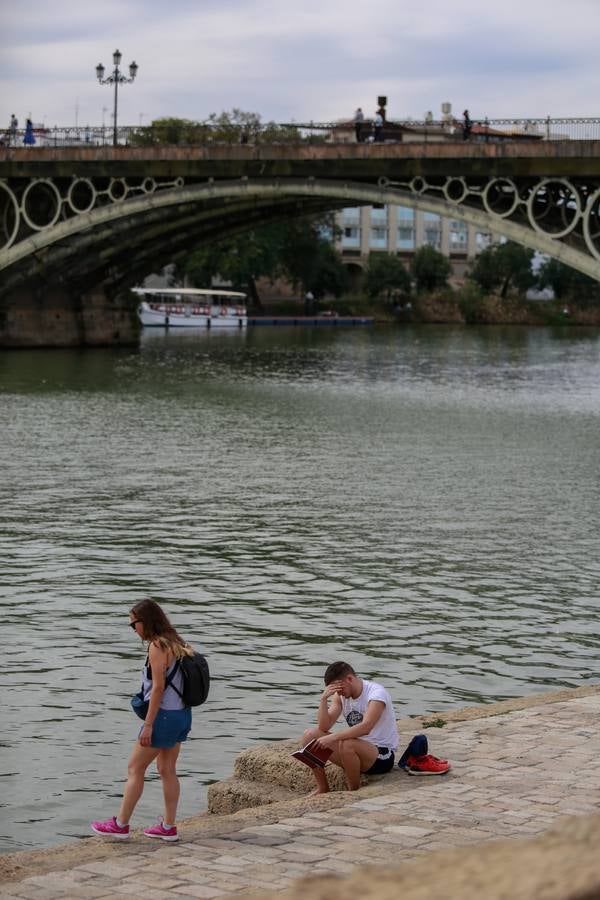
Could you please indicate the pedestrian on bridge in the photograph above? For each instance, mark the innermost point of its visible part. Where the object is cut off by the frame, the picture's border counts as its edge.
(29, 138)
(467, 125)
(378, 127)
(358, 124)
(12, 134)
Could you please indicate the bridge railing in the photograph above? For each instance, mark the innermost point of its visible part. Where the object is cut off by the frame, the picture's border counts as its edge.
(397, 130)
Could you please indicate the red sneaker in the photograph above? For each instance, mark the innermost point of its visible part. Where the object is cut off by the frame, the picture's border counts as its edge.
(427, 765)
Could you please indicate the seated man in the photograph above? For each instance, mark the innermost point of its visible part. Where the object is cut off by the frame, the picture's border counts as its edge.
(371, 738)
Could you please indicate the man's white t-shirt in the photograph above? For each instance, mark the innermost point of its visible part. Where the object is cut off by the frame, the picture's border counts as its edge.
(385, 732)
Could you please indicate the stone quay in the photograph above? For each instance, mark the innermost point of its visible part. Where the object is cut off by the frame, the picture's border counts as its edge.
(517, 817)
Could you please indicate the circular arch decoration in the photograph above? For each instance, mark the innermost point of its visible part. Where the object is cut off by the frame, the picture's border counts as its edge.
(45, 193)
(80, 188)
(245, 194)
(591, 225)
(9, 209)
(550, 196)
(118, 190)
(500, 197)
(455, 190)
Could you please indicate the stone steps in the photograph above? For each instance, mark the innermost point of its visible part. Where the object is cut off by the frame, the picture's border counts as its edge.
(267, 774)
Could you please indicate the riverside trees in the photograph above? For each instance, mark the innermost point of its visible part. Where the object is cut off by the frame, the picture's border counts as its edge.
(502, 266)
(299, 250)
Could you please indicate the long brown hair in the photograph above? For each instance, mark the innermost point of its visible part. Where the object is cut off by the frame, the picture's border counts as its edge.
(157, 628)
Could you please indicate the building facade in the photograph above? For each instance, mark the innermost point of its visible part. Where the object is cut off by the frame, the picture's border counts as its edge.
(402, 230)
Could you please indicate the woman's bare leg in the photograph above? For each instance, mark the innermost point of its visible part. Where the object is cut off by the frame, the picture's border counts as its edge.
(140, 759)
(167, 769)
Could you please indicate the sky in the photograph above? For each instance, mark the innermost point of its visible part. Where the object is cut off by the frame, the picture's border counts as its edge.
(299, 61)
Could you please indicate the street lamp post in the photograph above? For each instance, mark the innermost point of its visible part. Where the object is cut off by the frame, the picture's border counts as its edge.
(116, 78)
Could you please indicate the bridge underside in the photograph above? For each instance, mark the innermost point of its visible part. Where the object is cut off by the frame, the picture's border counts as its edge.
(97, 233)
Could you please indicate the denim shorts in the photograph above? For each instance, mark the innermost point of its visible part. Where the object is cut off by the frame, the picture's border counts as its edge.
(171, 727)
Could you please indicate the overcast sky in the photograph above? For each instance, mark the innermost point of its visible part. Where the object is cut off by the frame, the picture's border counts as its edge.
(297, 60)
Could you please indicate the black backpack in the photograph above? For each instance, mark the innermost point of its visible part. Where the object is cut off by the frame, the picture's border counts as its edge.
(196, 679)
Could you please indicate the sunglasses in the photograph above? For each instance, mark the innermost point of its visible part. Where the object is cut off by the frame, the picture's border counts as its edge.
(134, 623)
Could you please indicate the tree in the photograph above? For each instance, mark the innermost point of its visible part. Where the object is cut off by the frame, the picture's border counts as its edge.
(502, 266)
(331, 276)
(567, 282)
(386, 274)
(299, 249)
(430, 268)
(232, 127)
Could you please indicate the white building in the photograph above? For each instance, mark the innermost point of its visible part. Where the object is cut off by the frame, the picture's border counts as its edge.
(402, 230)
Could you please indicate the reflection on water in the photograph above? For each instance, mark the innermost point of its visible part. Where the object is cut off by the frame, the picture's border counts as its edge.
(421, 502)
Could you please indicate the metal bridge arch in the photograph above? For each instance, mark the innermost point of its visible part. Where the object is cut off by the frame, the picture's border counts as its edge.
(210, 209)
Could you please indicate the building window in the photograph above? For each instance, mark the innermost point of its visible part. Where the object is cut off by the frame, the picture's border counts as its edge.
(379, 215)
(350, 216)
(459, 236)
(350, 236)
(483, 239)
(433, 236)
(406, 237)
(378, 238)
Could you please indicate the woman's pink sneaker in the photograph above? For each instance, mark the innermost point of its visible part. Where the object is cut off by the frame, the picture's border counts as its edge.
(111, 829)
(159, 831)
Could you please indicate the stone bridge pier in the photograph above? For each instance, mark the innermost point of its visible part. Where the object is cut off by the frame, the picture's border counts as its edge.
(59, 316)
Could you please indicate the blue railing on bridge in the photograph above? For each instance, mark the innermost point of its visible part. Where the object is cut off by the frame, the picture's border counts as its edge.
(203, 133)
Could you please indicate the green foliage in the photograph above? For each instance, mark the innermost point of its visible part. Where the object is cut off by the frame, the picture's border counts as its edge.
(470, 303)
(296, 249)
(232, 127)
(502, 266)
(434, 723)
(329, 275)
(567, 282)
(386, 274)
(430, 268)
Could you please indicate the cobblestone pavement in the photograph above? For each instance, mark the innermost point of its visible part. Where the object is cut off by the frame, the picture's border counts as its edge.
(513, 774)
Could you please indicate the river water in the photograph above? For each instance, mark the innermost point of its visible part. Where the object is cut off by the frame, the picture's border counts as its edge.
(423, 502)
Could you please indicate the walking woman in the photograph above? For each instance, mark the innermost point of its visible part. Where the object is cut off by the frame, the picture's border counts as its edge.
(166, 726)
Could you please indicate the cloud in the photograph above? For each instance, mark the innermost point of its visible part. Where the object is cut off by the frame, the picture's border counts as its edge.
(306, 60)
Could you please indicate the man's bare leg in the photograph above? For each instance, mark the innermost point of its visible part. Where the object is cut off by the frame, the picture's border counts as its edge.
(355, 756)
(319, 774)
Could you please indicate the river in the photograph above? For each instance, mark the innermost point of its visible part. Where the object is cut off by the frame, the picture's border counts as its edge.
(423, 502)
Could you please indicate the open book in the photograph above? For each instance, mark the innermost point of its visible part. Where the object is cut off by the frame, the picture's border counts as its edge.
(313, 756)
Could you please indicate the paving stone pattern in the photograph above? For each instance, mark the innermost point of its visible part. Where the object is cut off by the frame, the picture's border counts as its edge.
(513, 774)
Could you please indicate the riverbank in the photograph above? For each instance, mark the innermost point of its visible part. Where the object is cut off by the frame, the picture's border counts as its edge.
(461, 306)
(468, 307)
(519, 767)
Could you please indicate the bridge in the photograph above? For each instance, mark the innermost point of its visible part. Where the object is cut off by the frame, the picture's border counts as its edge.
(79, 225)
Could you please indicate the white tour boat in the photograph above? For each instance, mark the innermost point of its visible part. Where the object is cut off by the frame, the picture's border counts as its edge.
(191, 308)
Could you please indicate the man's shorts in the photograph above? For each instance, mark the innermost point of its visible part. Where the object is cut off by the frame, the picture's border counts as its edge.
(171, 727)
(384, 762)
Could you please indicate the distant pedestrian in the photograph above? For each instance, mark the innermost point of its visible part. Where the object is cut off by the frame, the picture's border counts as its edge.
(467, 125)
(358, 124)
(14, 124)
(378, 127)
(29, 138)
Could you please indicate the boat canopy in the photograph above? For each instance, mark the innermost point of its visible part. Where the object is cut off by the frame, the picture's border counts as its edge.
(188, 292)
